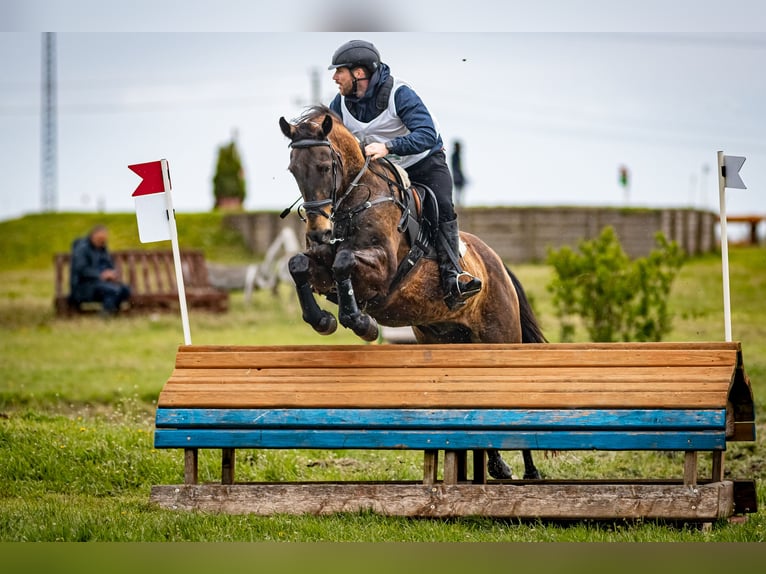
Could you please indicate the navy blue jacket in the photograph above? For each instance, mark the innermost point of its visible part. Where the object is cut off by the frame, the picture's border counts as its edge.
(410, 109)
(88, 261)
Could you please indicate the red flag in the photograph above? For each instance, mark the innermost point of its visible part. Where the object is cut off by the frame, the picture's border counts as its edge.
(152, 178)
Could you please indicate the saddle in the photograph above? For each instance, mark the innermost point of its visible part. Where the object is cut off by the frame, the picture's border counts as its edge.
(420, 212)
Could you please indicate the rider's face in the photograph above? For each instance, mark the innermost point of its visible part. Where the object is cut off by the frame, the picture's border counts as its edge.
(345, 80)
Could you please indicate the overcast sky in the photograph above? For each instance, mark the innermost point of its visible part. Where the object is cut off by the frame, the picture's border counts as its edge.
(544, 117)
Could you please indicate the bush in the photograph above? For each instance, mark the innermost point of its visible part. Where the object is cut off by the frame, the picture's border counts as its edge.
(616, 298)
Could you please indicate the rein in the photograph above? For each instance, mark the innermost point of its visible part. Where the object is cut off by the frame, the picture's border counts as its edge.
(315, 207)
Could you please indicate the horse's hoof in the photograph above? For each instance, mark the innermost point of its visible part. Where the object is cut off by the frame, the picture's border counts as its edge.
(327, 324)
(371, 332)
(534, 474)
(498, 469)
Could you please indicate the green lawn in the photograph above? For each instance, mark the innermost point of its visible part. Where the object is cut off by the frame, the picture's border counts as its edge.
(77, 404)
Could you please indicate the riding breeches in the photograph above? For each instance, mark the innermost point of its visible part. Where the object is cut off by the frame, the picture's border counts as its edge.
(434, 173)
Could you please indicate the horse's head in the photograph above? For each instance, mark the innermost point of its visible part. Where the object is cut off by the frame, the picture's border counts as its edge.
(316, 166)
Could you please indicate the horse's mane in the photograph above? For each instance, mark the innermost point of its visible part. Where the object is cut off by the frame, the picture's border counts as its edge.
(340, 136)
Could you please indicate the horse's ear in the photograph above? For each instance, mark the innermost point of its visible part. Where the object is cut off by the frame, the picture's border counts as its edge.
(327, 124)
(287, 129)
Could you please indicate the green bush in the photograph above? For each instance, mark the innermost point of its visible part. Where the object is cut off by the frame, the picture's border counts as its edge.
(616, 298)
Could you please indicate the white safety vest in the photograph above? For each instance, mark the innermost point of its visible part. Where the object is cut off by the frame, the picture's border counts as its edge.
(385, 127)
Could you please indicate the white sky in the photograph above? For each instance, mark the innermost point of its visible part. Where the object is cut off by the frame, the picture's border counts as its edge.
(544, 117)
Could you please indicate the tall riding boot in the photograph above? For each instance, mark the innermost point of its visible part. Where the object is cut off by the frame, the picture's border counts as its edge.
(457, 284)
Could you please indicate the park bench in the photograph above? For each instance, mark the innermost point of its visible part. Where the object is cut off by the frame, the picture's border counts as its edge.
(152, 279)
(461, 400)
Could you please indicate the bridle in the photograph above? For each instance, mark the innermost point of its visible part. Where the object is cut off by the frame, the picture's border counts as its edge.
(315, 207)
(334, 200)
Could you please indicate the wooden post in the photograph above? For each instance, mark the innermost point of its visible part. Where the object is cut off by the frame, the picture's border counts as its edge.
(450, 467)
(718, 458)
(690, 468)
(430, 466)
(190, 466)
(227, 466)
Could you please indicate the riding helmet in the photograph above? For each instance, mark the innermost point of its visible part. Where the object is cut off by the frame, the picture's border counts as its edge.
(356, 53)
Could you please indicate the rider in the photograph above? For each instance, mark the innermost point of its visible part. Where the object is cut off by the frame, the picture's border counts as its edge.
(390, 119)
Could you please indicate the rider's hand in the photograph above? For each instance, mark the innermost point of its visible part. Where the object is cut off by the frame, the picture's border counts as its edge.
(376, 150)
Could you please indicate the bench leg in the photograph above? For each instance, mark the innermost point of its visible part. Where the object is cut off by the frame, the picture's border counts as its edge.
(450, 466)
(190, 465)
(690, 468)
(718, 458)
(480, 467)
(430, 466)
(227, 466)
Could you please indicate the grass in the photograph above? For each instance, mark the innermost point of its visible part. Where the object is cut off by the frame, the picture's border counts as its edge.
(77, 404)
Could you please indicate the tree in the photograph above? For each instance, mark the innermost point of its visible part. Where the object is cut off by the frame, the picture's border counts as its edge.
(616, 298)
(229, 187)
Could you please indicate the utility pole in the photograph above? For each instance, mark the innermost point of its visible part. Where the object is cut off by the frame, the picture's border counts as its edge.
(315, 86)
(48, 143)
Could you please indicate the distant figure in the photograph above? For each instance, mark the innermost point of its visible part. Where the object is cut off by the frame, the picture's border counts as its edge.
(458, 179)
(93, 277)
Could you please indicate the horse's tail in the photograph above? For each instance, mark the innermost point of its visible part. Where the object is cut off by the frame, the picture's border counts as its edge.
(530, 329)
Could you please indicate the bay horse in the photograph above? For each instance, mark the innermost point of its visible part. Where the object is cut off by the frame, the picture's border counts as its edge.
(360, 255)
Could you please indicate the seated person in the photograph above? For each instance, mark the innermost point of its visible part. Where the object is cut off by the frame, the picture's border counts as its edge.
(93, 276)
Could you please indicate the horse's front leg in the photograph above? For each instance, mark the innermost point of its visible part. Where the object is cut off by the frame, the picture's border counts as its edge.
(348, 309)
(300, 270)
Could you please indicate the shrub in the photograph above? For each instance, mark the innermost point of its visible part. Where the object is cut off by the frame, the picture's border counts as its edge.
(617, 298)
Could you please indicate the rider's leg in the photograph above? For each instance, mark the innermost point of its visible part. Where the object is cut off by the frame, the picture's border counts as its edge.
(456, 283)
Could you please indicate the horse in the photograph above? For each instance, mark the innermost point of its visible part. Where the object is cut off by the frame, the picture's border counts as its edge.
(360, 255)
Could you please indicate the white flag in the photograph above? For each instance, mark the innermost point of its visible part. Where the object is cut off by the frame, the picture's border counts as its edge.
(731, 166)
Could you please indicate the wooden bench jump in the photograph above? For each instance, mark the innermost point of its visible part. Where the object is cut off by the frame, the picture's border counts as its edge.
(152, 279)
(459, 399)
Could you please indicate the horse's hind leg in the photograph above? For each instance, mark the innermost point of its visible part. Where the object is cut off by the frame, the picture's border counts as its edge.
(497, 467)
(348, 310)
(322, 321)
(530, 470)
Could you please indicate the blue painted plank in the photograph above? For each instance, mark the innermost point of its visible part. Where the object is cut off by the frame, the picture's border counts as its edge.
(519, 419)
(416, 440)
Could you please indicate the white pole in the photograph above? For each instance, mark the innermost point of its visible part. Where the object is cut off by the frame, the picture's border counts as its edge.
(724, 248)
(176, 252)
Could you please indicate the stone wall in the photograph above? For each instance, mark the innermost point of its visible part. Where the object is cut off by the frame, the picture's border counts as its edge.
(524, 234)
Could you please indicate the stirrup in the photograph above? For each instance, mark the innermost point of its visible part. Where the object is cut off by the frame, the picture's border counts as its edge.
(467, 288)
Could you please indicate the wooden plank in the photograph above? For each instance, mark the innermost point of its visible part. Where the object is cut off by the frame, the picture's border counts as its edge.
(213, 398)
(427, 440)
(518, 419)
(539, 356)
(454, 376)
(708, 502)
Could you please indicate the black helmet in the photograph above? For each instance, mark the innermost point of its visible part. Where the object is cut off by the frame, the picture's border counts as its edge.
(356, 53)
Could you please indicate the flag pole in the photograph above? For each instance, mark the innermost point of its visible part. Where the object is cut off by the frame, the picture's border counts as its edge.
(176, 252)
(724, 247)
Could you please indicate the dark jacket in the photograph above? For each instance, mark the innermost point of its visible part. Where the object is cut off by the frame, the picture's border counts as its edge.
(409, 107)
(88, 261)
